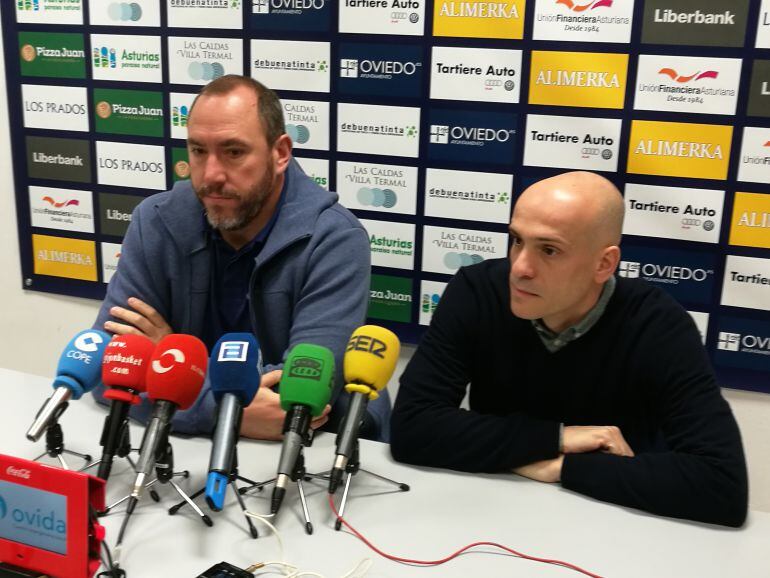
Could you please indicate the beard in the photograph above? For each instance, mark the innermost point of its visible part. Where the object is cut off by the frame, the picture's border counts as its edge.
(249, 206)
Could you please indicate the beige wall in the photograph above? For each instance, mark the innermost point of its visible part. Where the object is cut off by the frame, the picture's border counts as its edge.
(36, 326)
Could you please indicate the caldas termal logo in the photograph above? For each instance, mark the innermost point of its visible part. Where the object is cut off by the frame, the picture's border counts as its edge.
(375, 197)
(729, 341)
(299, 133)
(125, 11)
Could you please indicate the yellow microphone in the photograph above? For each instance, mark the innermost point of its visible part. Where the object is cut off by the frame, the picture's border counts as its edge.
(370, 359)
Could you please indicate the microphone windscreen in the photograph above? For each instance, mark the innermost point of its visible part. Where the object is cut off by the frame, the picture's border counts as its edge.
(235, 367)
(81, 361)
(371, 356)
(125, 362)
(308, 378)
(177, 370)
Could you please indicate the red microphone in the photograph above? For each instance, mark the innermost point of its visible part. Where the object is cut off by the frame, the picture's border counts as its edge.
(174, 380)
(124, 367)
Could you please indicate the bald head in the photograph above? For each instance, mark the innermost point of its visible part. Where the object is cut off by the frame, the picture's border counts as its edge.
(591, 203)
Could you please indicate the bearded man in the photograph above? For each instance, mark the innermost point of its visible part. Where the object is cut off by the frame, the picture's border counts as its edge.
(251, 244)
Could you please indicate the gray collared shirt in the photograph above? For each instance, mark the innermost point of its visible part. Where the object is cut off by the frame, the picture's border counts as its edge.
(555, 341)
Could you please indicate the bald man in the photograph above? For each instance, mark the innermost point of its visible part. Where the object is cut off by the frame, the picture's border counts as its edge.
(575, 376)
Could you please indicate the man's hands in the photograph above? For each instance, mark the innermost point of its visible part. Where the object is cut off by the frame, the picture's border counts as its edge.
(263, 418)
(578, 439)
(143, 320)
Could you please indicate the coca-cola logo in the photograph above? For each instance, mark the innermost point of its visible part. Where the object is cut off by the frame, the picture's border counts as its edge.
(19, 472)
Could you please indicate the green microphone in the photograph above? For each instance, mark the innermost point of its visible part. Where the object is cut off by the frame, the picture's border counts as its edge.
(305, 389)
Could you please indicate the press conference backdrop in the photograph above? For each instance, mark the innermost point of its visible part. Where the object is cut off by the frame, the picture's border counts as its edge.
(428, 118)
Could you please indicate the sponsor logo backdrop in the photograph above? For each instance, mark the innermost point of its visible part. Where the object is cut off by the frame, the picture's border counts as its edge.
(428, 119)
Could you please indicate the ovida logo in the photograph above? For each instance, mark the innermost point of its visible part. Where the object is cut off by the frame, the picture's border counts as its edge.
(179, 115)
(374, 197)
(125, 11)
(666, 273)
(233, 351)
(430, 302)
(60, 204)
(104, 57)
(205, 70)
(159, 366)
(676, 77)
(453, 260)
(444, 134)
(575, 7)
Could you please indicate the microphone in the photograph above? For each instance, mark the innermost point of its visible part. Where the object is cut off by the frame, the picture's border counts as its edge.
(305, 388)
(235, 368)
(174, 380)
(124, 369)
(78, 372)
(370, 359)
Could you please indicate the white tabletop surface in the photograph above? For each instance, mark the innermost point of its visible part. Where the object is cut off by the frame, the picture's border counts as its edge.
(444, 511)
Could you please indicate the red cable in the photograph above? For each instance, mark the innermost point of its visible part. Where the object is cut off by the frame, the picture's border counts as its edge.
(361, 537)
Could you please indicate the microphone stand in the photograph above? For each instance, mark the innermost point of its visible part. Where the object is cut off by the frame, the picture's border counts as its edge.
(124, 447)
(298, 474)
(232, 476)
(54, 442)
(351, 469)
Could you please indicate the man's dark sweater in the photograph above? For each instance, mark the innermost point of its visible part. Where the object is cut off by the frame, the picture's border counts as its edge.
(642, 367)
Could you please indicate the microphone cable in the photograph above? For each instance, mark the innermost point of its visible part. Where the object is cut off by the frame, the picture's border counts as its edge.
(454, 555)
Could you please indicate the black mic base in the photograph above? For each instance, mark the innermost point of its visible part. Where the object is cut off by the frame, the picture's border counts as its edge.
(54, 447)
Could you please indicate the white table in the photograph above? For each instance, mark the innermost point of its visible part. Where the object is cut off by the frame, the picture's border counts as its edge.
(443, 511)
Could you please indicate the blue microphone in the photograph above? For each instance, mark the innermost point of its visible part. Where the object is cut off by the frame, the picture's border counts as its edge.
(79, 371)
(235, 368)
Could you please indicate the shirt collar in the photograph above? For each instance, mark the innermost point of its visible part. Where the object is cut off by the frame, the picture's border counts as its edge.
(555, 341)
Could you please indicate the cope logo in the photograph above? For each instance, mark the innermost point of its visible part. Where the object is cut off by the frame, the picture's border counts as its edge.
(687, 276)
(89, 342)
(472, 136)
(233, 351)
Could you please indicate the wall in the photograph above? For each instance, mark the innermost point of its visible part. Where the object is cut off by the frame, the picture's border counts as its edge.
(37, 325)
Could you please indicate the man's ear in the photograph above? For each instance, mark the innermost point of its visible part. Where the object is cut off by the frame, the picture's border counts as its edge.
(607, 264)
(281, 153)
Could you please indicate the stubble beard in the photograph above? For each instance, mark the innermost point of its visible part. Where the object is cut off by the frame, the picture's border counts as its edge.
(247, 210)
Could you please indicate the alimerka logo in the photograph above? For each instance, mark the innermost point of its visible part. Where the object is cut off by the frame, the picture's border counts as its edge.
(575, 7)
(676, 77)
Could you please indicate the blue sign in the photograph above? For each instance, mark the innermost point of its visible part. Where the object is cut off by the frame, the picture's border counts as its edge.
(380, 70)
(743, 343)
(33, 517)
(689, 277)
(292, 15)
(472, 136)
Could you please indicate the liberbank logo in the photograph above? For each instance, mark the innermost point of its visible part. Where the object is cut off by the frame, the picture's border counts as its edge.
(587, 79)
(63, 209)
(479, 74)
(673, 213)
(479, 19)
(382, 17)
(689, 277)
(304, 15)
(133, 112)
(390, 298)
(59, 257)
(688, 84)
(572, 142)
(115, 212)
(755, 155)
(470, 136)
(379, 130)
(751, 220)
(743, 343)
(58, 159)
(445, 250)
(126, 57)
(377, 187)
(49, 11)
(679, 149)
(291, 65)
(201, 60)
(380, 70)
(55, 107)
(695, 22)
(583, 21)
(60, 55)
(759, 91)
(205, 13)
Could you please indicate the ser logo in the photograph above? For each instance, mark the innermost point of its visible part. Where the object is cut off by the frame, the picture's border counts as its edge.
(367, 344)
